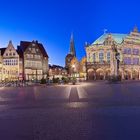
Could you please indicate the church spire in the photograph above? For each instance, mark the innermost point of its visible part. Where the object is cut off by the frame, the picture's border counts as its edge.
(72, 46)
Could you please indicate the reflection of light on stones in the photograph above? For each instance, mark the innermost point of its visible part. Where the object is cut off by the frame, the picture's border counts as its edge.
(77, 104)
(1, 88)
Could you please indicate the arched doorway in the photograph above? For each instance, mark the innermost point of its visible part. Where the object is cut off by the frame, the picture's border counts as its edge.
(91, 74)
(127, 74)
(99, 74)
(107, 74)
(120, 74)
(135, 75)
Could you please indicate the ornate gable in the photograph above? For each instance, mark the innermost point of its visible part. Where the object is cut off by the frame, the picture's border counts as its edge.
(10, 51)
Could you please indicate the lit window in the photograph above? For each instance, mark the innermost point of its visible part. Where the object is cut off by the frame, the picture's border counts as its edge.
(127, 60)
(108, 57)
(136, 51)
(127, 51)
(94, 57)
(101, 57)
(136, 61)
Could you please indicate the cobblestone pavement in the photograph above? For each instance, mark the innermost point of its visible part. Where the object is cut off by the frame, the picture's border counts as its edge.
(86, 111)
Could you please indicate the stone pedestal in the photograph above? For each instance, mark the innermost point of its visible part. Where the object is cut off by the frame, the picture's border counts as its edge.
(122, 75)
(131, 75)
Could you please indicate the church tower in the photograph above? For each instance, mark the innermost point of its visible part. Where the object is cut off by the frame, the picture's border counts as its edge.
(71, 54)
(72, 46)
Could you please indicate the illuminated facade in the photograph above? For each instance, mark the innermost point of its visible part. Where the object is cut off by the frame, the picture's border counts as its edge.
(28, 62)
(9, 63)
(33, 61)
(56, 71)
(70, 55)
(100, 56)
(74, 67)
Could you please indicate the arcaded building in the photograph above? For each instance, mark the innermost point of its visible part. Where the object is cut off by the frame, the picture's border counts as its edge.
(100, 55)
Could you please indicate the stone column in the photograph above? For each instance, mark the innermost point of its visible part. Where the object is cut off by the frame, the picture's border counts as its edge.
(122, 74)
(104, 76)
(131, 76)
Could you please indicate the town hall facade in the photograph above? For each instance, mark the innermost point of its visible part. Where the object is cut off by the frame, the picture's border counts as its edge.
(100, 56)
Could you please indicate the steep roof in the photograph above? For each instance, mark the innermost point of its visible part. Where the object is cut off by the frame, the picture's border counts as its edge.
(25, 44)
(117, 37)
(72, 46)
(69, 55)
(55, 66)
(2, 50)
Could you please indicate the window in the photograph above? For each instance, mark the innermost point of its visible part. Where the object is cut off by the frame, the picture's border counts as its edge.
(28, 55)
(136, 51)
(33, 50)
(135, 61)
(127, 60)
(37, 56)
(33, 44)
(108, 57)
(127, 51)
(101, 57)
(14, 54)
(94, 57)
(31, 56)
(6, 54)
(88, 57)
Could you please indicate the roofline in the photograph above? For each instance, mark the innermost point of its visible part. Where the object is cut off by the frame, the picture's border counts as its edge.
(107, 34)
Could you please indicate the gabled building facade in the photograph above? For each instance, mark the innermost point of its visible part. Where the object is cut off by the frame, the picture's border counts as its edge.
(56, 71)
(33, 60)
(2, 50)
(100, 56)
(9, 63)
(28, 62)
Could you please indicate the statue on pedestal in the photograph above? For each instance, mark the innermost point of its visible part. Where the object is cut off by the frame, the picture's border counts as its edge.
(115, 61)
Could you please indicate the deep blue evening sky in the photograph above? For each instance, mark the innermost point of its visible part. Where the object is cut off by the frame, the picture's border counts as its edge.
(52, 21)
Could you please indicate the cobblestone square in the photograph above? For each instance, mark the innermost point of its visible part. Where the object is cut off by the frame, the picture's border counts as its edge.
(86, 111)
